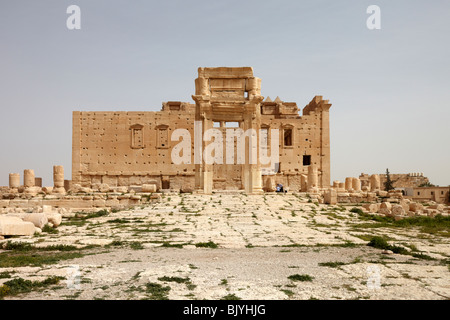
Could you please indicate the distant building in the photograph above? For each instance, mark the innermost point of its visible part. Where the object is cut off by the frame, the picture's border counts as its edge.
(437, 194)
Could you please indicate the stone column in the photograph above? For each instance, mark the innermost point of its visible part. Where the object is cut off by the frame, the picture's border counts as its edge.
(58, 176)
(14, 180)
(375, 182)
(252, 168)
(341, 186)
(356, 184)
(58, 179)
(349, 184)
(28, 178)
(304, 183)
(254, 86)
(202, 86)
(208, 171)
(336, 184)
(325, 166)
(313, 178)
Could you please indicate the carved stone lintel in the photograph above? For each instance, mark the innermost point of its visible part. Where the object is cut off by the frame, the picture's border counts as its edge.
(200, 98)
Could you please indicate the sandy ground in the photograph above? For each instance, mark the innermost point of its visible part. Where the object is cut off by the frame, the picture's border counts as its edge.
(262, 241)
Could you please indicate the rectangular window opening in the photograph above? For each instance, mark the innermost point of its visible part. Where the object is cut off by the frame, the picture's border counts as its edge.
(288, 137)
(306, 160)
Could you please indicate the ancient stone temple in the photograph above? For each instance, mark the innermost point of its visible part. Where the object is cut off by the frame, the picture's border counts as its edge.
(137, 148)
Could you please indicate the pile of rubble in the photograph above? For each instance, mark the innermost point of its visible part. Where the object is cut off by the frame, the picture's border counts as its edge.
(66, 198)
(27, 224)
(85, 199)
(407, 208)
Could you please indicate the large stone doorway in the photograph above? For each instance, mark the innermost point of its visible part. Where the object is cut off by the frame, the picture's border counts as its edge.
(227, 176)
(228, 95)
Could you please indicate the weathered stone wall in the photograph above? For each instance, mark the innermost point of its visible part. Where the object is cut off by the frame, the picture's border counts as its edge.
(126, 148)
(133, 148)
(75, 202)
(402, 180)
(437, 194)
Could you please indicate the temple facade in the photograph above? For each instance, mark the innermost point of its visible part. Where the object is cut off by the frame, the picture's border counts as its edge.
(195, 146)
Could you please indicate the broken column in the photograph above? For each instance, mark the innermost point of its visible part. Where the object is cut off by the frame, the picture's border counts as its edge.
(202, 86)
(304, 183)
(356, 184)
(58, 179)
(149, 188)
(313, 179)
(38, 219)
(14, 180)
(349, 184)
(374, 182)
(28, 178)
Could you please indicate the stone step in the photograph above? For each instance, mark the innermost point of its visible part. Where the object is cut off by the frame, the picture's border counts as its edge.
(228, 192)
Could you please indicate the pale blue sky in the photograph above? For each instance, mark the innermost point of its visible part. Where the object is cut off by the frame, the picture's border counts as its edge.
(389, 88)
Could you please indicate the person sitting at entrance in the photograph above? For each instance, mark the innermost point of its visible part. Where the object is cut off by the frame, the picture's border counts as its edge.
(279, 187)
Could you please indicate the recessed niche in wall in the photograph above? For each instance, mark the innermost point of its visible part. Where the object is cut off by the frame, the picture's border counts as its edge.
(137, 136)
(162, 136)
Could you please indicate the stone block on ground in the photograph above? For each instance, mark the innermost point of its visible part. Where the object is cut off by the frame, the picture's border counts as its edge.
(330, 196)
(14, 226)
(386, 205)
(148, 188)
(415, 206)
(405, 204)
(385, 211)
(397, 210)
(38, 219)
(381, 193)
(54, 218)
(371, 207)
(135, 188)
(439, 207)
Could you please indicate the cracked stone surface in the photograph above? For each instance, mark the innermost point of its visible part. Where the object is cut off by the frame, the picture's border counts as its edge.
(262, 240)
